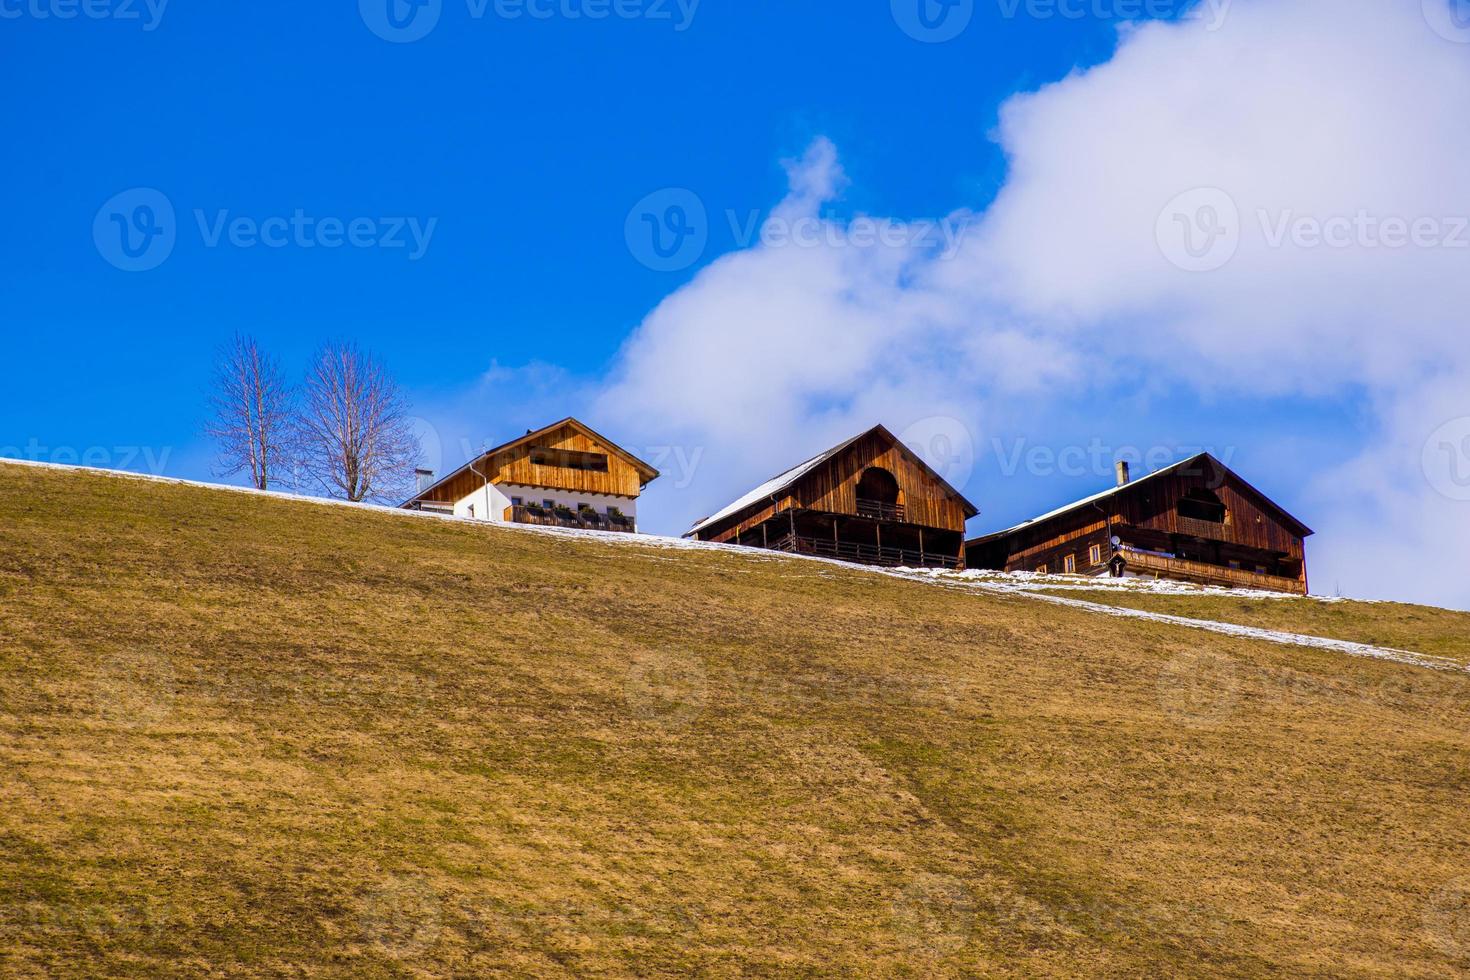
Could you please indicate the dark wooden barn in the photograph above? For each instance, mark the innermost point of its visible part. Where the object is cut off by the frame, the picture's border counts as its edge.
(1195, 521)
(868, 500)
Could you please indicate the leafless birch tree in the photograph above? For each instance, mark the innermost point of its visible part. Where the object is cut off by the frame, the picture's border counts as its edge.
(253, 413)
(356, 437)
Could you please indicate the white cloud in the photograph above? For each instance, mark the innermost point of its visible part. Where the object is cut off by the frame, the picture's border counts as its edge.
(1341, 115)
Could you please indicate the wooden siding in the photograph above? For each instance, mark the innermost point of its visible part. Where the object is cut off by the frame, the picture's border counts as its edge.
(1145, 515)
(514, 466)
(1250, 522)
(832, 488)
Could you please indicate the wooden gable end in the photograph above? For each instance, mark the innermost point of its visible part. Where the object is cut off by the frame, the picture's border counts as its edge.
(566, 458)
(926, 500)
(556, 458)
(1251, 520)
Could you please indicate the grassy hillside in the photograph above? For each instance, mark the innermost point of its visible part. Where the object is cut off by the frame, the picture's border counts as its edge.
(244, 735)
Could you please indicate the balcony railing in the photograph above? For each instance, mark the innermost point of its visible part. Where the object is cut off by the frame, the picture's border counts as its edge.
(867, 554)
(879, 510)
(1195, 527)
(1144, 563)
(583, 520)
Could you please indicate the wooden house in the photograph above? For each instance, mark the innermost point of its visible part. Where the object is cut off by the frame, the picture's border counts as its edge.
(868, 500)
(564, 475)
(1195, 521)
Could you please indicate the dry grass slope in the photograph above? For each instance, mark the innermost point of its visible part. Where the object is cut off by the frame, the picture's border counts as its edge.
(252, 736)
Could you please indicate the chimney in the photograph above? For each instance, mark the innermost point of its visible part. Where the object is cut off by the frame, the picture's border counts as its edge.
(425, 478)
(1122, 472)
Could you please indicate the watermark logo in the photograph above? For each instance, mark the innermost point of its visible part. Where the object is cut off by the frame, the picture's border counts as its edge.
(945, 444)
(147, 12)
(405, 21)
(1209, 13)
(136, 689)
(400, 21)
(1447, 918)
(1450, 19)
(1199, 689)
(138, 459)
(401, 916)
(666, 689)
(933, 21)
(136, 230)
(668, 230)
(1199, 230)
(936, 913)
(1363, 230)
(1446, 459)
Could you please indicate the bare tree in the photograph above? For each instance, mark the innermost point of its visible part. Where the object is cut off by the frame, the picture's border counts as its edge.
(356, 437)
(253, 413)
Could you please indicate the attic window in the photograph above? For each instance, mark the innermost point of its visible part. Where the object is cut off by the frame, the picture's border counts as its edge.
(568, 459)
(1202, 505)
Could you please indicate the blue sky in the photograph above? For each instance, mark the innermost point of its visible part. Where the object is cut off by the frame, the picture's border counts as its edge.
(517, 146)
(528, 141)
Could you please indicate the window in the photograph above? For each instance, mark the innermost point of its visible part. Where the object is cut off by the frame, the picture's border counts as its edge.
(516, 501)
(1094, 554)
(548, 504)
(1200, 504)
(472, 510)
(1069, 564)
(568, 459)
(1041, 569)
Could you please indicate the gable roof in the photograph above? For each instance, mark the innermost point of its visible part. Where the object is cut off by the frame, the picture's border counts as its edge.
(1301, 528)
(645, 472)
(781, 481)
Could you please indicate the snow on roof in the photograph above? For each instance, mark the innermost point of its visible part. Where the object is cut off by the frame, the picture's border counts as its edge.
(771, 487)
(1089, 500)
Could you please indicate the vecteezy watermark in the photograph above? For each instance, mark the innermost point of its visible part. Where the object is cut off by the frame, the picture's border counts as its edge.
(946, 444)
(137, 459)
(402, 916)
(400, 21)
(933, 21)
(149, 13)
(1446, 459)
(667, 689)
(1363, 229)
(677, 464)
(1096, 458)
(1199, 689)
(936, 914)
(1199, 230)
(136, 689)
(1447, 918)
(669, 231)
(942, 236)
(137, 230)
(405, 21)
(1211, 13)
(1450, 19)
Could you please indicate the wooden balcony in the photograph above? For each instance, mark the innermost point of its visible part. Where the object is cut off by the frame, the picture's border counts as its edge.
(1194, 527)
(880, 511)
(866, 554)
(585, 521)
(1203, 573)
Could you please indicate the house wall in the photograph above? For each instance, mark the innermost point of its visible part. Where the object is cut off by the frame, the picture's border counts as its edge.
(502, 494)
(514, 466)
(1147, 516)
(832, 487)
